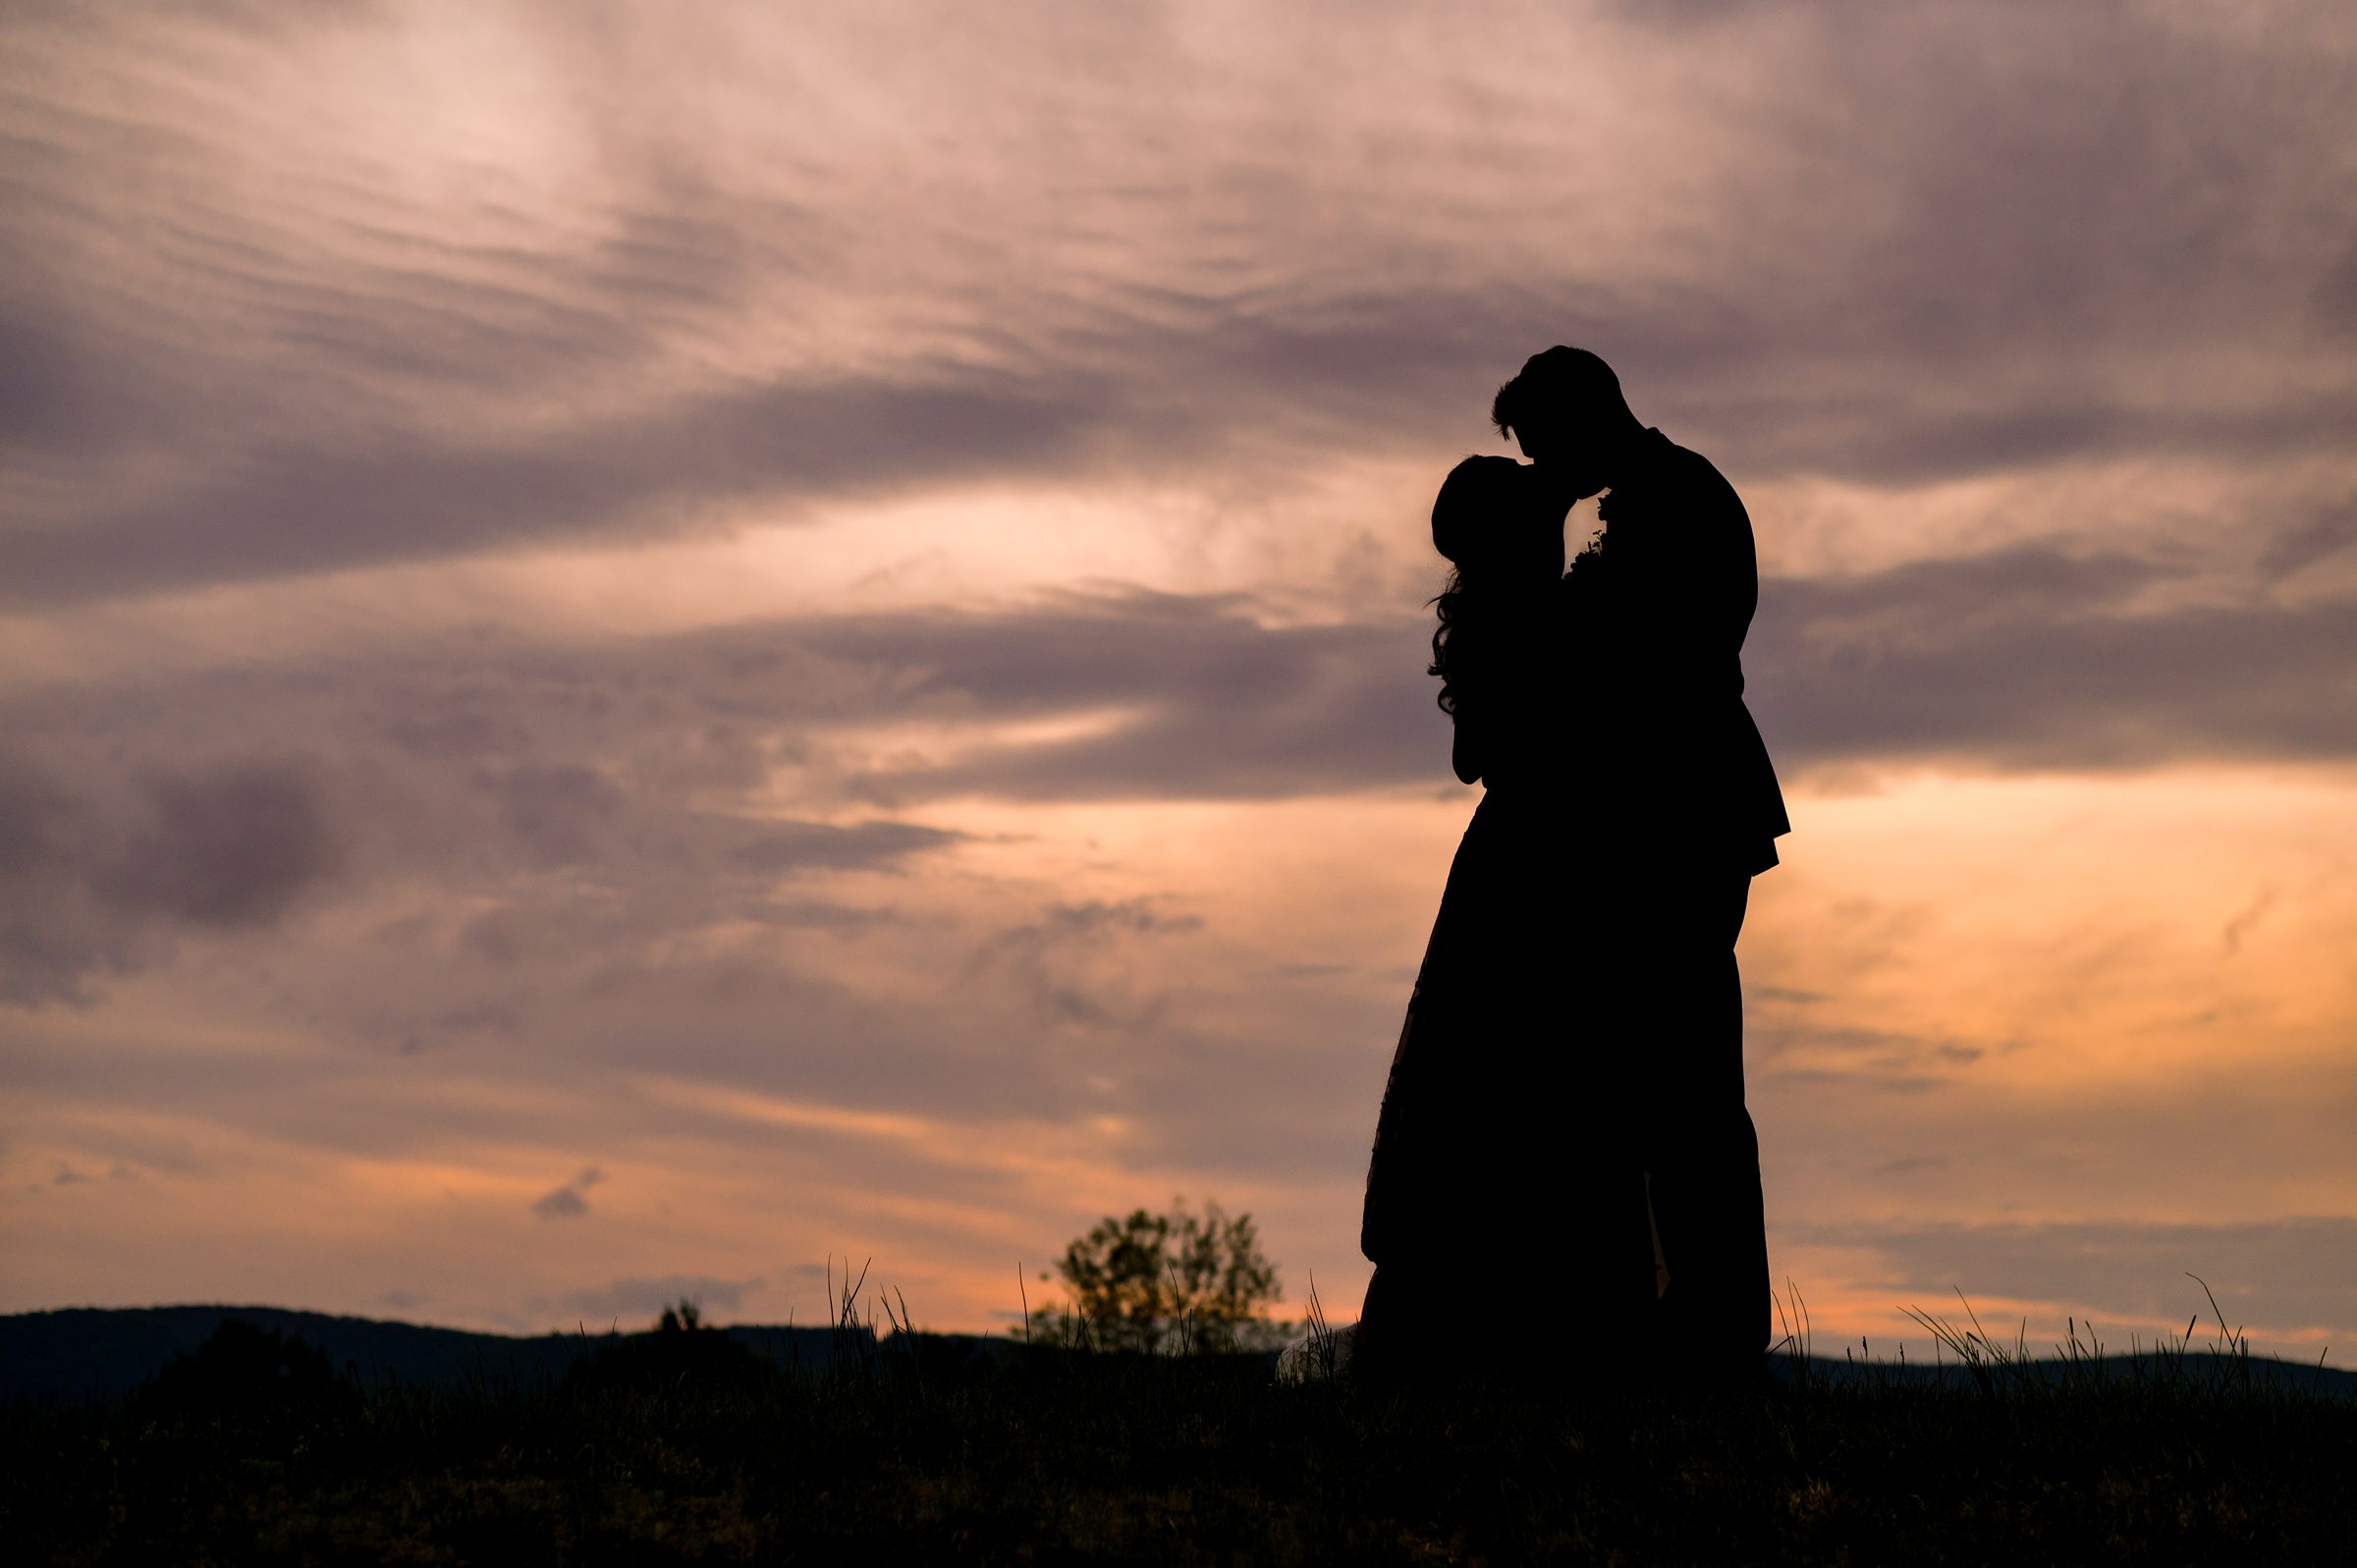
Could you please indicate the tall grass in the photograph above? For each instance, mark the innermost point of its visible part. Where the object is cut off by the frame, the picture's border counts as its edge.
(2080, 1363)
(2080, 1360)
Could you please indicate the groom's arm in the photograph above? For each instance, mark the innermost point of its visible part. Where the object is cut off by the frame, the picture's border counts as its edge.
(1696, 584)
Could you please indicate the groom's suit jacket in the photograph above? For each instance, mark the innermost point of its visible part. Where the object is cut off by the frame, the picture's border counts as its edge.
(1657, 615)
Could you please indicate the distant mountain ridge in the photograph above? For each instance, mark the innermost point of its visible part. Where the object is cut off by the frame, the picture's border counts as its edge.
(75, 1351)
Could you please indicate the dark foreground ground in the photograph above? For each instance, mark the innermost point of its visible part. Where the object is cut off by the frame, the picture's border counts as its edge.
(684, 1448)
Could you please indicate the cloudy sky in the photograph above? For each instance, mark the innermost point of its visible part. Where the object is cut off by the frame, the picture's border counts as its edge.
(643, 647)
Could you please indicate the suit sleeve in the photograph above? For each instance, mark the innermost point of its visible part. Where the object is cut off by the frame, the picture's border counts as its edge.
(1690, 592)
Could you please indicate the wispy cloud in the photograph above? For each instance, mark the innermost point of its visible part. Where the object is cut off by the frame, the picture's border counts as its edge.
(642, 1296)
(2006, 271)
(570, 1201)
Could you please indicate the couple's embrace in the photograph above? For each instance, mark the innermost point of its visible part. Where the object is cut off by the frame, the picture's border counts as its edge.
(1565, 1113)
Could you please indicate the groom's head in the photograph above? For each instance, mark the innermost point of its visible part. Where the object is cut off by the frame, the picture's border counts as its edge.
(1566, 410)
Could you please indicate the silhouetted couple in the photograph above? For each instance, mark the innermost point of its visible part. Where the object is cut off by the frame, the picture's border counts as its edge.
(1575, 1035)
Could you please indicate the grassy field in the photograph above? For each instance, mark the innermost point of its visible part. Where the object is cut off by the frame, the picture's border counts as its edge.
(685, 1448)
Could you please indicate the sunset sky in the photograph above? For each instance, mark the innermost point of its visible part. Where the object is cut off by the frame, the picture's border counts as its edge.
(642, 647)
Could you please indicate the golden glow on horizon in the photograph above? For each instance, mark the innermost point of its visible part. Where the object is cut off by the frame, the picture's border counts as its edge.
(2041, 953)
(2075, 929)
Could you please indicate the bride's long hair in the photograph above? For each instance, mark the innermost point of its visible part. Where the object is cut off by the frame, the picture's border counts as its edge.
(1467, 526)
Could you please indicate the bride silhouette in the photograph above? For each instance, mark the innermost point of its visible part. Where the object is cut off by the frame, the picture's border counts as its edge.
(1500, 1165)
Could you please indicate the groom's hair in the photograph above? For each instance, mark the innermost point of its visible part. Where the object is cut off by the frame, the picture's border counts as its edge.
(1559, 386)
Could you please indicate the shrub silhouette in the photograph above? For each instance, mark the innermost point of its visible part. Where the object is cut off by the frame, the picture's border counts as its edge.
(681, 1351)
(246, 1372)
(1173, 1282)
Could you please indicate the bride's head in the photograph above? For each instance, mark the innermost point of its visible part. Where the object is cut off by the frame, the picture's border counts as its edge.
(1496, 523)
(1482, 512)
(1491, 519)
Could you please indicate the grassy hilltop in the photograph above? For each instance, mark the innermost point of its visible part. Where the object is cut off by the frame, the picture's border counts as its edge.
(690, 1447)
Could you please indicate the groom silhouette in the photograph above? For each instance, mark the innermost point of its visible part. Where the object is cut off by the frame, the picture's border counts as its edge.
(1683, 809)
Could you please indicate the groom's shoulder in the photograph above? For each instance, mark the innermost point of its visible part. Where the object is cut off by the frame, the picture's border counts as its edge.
(1699, 479)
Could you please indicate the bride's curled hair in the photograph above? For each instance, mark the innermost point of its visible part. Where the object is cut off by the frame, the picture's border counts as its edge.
(1471, 527)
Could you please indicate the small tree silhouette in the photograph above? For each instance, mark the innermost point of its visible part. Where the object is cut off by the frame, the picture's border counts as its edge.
(1177, 1280)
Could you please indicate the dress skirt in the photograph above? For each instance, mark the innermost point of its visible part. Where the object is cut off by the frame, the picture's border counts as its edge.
(1505, 1191)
